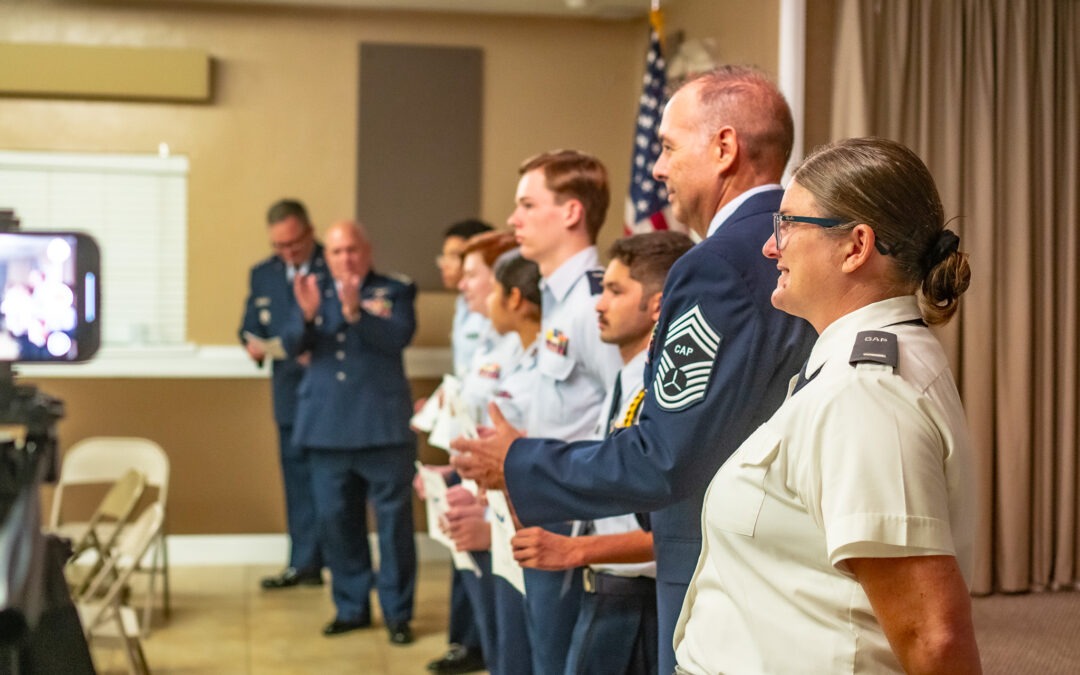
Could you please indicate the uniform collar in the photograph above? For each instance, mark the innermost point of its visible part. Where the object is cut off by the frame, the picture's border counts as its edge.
(563, 279)
(461, 310)
(840, 334)
(634, 368)
(316, 261)
(729, 209)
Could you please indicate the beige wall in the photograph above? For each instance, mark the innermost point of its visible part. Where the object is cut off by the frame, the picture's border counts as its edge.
(820, 37)
(282, 122)
(744, 31)
(283, 117)
(221, 444)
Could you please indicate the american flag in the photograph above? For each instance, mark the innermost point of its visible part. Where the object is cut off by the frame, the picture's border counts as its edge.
(646, 203)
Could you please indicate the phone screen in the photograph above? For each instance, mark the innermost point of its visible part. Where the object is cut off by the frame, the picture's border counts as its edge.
(50, 298)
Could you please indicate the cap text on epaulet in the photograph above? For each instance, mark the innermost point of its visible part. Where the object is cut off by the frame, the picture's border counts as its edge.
(875, 346)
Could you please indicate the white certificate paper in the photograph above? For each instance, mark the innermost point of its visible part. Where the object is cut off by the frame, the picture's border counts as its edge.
(270, 346)
(452, 421)
(502, 530)
(424, 420)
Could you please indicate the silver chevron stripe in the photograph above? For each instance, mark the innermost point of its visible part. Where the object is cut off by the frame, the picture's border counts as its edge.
(696, 373)
(694, 322)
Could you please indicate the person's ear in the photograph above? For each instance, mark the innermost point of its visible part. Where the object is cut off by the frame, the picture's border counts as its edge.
(573, 213)
(858, 247)
(514, 299)
(653, 306)
(725, 148)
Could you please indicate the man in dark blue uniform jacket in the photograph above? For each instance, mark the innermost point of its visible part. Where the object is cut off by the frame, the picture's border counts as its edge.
(353, 420)
(721, 358)
(269, 306)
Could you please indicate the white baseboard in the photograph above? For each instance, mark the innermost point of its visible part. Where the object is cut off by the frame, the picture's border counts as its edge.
(264, 549)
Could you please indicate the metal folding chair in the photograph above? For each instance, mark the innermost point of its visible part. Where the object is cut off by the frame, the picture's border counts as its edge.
(98, 536)
(102, 459)
(108, 620)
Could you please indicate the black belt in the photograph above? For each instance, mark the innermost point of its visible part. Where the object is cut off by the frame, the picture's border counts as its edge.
(611, 584)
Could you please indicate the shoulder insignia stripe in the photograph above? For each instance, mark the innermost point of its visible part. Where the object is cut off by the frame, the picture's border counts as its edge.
(875, 346)
(596, 281)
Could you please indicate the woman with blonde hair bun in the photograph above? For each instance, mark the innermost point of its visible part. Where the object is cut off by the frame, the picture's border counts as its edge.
(838, 537)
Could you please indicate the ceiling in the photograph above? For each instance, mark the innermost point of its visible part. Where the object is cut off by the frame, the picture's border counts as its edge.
(598, 9)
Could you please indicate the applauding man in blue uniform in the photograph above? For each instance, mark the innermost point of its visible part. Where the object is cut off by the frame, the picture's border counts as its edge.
(353, 420)
(269, 306)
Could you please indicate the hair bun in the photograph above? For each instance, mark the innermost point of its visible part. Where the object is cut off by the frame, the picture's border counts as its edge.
(947, 243)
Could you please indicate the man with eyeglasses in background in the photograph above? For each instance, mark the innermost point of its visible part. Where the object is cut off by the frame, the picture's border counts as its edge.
(269, 304)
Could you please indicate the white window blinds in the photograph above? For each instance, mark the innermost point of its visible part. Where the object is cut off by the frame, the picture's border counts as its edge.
(136, 208)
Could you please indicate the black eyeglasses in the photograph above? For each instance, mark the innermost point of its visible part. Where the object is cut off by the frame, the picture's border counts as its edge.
(292, 243)
(778, 231)
(779, 218)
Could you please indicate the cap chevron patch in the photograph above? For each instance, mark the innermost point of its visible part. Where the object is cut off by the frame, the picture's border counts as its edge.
(686, 361)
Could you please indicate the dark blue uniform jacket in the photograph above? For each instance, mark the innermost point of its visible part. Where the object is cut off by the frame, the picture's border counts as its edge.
(268, 310)
(355, 394)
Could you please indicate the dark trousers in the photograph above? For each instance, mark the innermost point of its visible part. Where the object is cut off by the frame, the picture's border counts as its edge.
(481, 591)
(614, 635)
(669, 600)
(513, 654)
(462, 628)
(301, 519)
(344, 480)
(552, 603)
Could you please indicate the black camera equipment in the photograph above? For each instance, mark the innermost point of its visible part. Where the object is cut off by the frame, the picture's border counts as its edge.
(39, 625)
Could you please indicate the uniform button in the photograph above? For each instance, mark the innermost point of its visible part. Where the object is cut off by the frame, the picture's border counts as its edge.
(318, 321)
(340, 376)
(329, 293)
(341, 337)
(340, 355)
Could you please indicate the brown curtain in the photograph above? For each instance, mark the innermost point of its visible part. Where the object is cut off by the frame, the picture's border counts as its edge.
(986, 92)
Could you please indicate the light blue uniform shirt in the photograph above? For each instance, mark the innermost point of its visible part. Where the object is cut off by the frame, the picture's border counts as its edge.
(465, 335)
(575, 367)
(631, 384)
(491, 361)
(515, 392)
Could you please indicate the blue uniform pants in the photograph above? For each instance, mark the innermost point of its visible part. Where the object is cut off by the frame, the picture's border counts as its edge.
(669, 600)
(304, 550)
(462, 629)
(513, 654)
(344, 480)
(552, 603)
(481, 591)
(614, 635)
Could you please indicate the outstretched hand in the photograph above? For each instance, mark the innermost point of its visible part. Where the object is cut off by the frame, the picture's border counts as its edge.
(481, 459)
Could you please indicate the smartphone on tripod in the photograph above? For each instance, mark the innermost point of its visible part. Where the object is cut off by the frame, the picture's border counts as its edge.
(50, 296)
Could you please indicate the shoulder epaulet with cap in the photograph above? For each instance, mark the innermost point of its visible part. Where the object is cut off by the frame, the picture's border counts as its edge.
(596, 281)
(875, 346)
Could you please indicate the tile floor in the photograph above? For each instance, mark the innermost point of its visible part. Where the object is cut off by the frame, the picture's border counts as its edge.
(222, 622)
